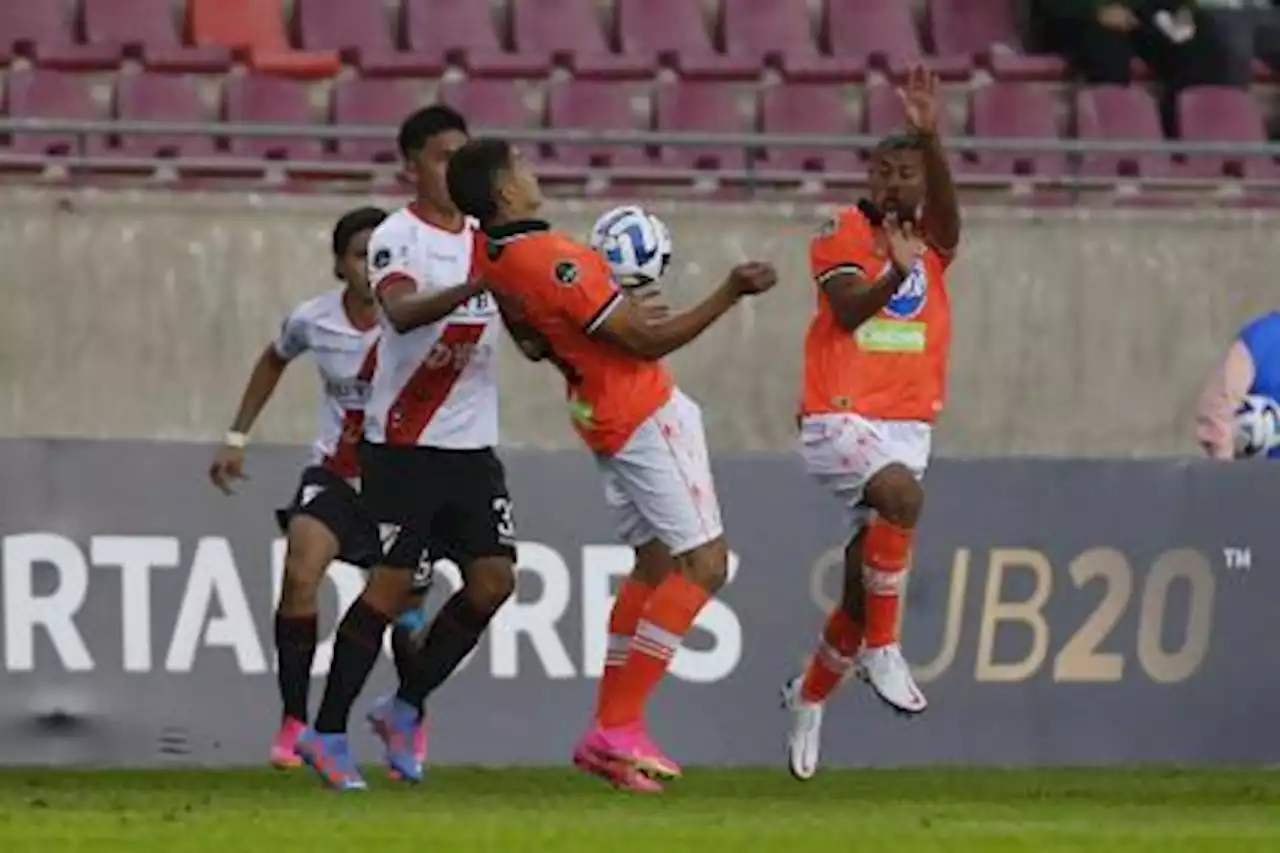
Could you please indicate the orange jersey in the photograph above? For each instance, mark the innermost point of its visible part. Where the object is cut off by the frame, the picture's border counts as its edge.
(565, 291)
(894, 367)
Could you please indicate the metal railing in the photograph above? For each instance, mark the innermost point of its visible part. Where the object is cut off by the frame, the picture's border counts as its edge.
(756, 170)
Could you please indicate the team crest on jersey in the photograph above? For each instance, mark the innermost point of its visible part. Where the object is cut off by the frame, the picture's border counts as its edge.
(381, 258)
(908, 300)
(567, 273)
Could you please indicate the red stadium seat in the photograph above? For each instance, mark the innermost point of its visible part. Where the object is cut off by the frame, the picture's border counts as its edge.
(488, 104)
(593, 105)
(1120, 112)
(361, 33)
(361, 102)
(48, 95)
(1222, 114)
(568, 32)
(41, 32)
(160, 97)
(1016, 111)
(262, 99)
(147, 30)
(778, 33)
(806, 108)
(463, 33)
(257, 28)
(674, 33)
(694, 107)
(883, 33)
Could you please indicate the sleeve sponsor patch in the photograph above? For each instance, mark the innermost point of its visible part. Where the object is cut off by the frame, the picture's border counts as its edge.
(566, 273)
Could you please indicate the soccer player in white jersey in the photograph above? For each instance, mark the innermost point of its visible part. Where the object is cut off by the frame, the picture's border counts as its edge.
(325, 520)
(431, 478)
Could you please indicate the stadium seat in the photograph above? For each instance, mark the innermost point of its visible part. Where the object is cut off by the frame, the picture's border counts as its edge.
(160, 97)
(884, 33)
(1016, 111)
(263, 99)
(360, 31)
(592, 105)
(568, 33)
(462, 32)
(778, 33)
(806, 108)
(40, 32)
(257, 28)
(1120, 112)
(1222, 114)
(674, 33)
(362, 102)
(146, 30)
(489, 105)
(699, 107)
(49, 95)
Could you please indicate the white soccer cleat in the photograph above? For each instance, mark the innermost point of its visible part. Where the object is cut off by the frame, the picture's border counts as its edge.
(889, 675)
(804, 737)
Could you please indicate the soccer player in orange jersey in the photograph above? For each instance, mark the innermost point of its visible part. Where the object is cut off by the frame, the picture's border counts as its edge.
(562, 304)
(875, 363)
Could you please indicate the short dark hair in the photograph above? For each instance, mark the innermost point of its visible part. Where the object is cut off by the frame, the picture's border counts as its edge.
(901, 141)
(472, 176)
(352, 223)
(427, 122)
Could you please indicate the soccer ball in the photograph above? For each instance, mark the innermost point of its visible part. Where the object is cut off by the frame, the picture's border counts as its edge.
(1257, 426)
(635, 243)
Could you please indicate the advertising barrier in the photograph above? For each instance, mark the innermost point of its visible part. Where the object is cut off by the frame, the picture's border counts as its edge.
(1059, 612)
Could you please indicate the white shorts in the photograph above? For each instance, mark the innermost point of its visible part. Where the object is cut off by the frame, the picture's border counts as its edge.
(659, 484)
(843, 452)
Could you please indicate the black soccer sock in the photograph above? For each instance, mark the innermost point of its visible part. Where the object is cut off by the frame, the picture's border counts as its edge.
(404, 645)
(295, 649)
(452, 635)
(355, 651)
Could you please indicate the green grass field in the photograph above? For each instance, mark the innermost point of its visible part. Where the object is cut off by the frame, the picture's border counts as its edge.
(710, 811)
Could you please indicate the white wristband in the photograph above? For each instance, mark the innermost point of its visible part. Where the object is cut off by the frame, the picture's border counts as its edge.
(238, 440)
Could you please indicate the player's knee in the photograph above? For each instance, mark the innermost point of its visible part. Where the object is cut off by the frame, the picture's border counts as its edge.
(490, 582)
(707, 565)
(387, 589)
(896, 495)
(303, 571)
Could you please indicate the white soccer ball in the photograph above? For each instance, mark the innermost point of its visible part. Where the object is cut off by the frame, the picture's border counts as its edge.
(635, 243)
(1257, 426)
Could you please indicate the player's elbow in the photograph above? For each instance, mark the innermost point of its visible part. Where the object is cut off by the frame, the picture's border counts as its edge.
(647, 345)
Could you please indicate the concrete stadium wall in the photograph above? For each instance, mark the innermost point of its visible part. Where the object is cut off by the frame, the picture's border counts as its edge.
(1085, 333)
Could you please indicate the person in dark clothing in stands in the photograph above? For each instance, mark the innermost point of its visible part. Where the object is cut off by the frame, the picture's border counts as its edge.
(1100, 38)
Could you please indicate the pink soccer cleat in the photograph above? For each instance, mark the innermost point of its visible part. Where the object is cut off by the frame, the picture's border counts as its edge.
(284, 755)
(652, 761)
(600, 754)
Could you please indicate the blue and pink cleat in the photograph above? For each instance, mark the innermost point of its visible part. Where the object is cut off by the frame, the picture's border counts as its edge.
(403, 733)
(329, 755)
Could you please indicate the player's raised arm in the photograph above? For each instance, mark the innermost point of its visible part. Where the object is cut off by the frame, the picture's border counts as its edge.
(228, 462)
(842, 265)
(942, 208)
(405, 301)
(631, 324)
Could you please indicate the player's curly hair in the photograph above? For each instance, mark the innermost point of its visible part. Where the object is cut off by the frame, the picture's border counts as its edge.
(904, 140)
(473, 174)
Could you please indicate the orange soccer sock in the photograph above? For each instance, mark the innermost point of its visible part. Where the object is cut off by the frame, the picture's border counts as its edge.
(833, 658)
(884, 565)
(623, 619)
(667, 618)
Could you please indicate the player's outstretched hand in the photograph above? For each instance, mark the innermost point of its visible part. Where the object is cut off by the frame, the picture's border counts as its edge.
(228, 466)
(753, 278)
(906, 245)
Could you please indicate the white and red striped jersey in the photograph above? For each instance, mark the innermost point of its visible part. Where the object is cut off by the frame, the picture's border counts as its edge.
(345, 357)
(437, 385)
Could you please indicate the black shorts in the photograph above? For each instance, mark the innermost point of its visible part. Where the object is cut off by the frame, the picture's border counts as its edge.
(444, 503)
(331, 500)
